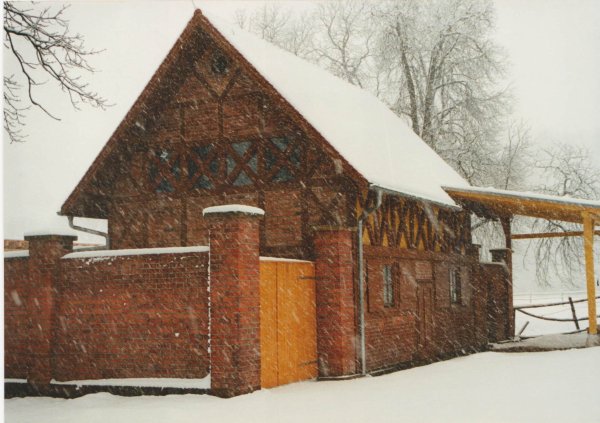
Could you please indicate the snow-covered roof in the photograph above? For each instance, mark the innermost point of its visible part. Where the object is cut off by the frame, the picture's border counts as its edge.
(497, 202)
(363, 130)
(528, 195)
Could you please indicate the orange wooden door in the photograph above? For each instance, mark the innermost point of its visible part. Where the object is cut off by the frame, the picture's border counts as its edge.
(288, 328)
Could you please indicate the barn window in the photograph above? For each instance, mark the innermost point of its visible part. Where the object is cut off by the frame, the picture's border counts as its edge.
(455, 286)
(388, 286)
(244, 158)
(165, 170)
(203, 166)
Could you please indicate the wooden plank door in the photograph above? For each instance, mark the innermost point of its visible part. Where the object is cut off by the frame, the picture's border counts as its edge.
(425, 317)
(288, 322)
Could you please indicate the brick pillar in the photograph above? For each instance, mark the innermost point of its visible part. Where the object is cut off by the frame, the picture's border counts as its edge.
(234, 299)
(45, 252)
(336, 331)
(504, 255)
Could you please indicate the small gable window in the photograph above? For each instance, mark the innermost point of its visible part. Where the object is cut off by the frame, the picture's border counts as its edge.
(220, 65)
(455, 286)
(388, 286)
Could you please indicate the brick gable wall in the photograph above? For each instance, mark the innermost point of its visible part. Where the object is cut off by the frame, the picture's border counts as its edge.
(220, 136)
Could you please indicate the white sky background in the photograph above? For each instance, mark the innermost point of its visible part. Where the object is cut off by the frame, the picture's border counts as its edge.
(553, 45)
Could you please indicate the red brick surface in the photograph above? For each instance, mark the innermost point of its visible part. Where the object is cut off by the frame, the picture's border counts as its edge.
(235, 303)
(336, 329)
(20, 311)
(394, 334)
(132, 316)
(107, 317)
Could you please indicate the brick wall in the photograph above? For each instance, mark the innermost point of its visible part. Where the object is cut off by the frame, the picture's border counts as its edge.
(132, 316)
(422, 323)
(391, 331)
(336, 327)
(500, 319)
(112, 317)
(20, 297)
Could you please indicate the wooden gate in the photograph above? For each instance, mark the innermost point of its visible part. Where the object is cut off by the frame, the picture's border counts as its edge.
(288, 325)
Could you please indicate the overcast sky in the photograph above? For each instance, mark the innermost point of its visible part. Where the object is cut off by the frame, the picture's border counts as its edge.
(553, 47)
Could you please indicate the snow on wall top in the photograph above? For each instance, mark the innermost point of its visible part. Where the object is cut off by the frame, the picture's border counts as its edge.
(375, 141)
(233, 208)
(528, 195)
(50, 232)
(135, 252)
(16, 254)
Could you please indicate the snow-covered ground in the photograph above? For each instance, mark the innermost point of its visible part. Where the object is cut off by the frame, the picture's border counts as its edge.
(557, 386)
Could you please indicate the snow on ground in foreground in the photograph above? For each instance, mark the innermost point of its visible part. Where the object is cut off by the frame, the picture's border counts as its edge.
(557, 386)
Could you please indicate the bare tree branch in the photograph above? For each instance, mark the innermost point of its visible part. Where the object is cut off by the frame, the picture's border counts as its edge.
(40, 41)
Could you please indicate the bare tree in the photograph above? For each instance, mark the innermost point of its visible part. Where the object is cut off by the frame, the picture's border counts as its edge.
(510, 170)
(272, 22)
(565, 170)
(346, 40)
(40, 41)
(446, 70)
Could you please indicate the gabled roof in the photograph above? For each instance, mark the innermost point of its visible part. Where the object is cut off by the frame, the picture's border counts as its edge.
(372, 138)
(374, 141)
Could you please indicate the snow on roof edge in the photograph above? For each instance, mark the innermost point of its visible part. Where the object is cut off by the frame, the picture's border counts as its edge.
(418, 197)
(528, 195)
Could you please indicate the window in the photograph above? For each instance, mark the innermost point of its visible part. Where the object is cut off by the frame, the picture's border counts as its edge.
(388, 286)
(455, 286)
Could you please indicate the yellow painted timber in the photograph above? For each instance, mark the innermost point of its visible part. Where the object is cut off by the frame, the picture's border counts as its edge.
(268, 324)
(550, 235)
(506, 204)
(588, 241)
(288, 322)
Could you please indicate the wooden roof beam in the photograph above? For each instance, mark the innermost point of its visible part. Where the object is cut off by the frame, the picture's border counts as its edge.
(550, 235)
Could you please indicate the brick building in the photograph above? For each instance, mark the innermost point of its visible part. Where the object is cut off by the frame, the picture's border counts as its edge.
(345, 257)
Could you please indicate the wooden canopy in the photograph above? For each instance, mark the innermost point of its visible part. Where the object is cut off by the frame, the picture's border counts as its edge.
(502, 204)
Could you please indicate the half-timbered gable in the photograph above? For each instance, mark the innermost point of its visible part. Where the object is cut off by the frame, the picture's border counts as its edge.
(218, 135)
(209, 129)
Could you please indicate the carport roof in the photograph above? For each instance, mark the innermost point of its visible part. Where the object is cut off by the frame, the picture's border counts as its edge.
(495, 203)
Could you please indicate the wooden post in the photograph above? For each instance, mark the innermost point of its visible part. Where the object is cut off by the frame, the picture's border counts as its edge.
(574, 314)
(588, 242)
